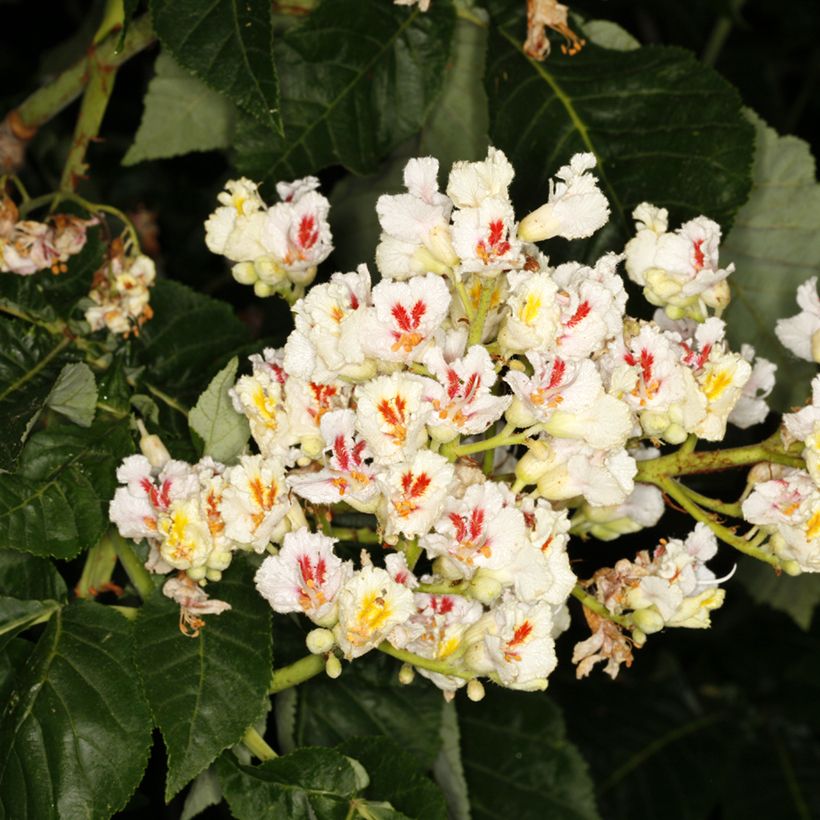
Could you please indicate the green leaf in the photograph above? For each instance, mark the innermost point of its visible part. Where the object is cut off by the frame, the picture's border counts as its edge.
(223, 431)
(459, 121)
(229, 45)
(775, 245)
(306, 784)
(75, 733)
(26, 576)
(205, 691)
(48, 297)
(74, 394)
(29, 365)
(17, 615)
(664, 128)
(518, 761)
(114, 392)
(57, 502)
(181, 115)
(395, 777)
(609, 35)
(368, 700)
(189, 338)
(205, 791)
(449, 769)
(796, 596)
(354, 86)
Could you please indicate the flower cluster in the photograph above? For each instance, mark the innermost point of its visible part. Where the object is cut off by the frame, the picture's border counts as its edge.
(27, 246)
(470, 344)
(120, 291)
(276, 247)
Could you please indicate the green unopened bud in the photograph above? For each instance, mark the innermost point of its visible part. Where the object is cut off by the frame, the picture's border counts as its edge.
(648, 620)
(675, 434)
(312, 446)
(244, 273)
(791, 567)
(406, 674)
(539, 225)
(718, 296)
(153, 448)
(654, 422)
(333, 666)
(484, 587)
(197, 573)
(439, 244)
(320, 641)
(475, 690)
(532, 465)
(302, 277)
(262, 289)
(213, 575)
(269, 271)
(638, 637)
(519, 415)
(663, 285)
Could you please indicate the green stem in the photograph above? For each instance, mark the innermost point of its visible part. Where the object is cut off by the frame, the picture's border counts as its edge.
(134, 568)
(296, 673)
(169, 400)
(360, 535)
(719, 34)
(48, 101)
(445, 588)
(733, 510)
(441, 667)
(594, 605)
(499, 440)
(674, 490)
(97, 570)
(465, 298)
(256, 745)
(477, 324)
(412, 552)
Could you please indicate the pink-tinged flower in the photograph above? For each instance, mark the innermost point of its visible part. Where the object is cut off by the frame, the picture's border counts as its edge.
(391, 416)
(306, 576)
(471, 183)
(306, 403)
(294, 191)
(349, 475)
(784, 500)
(135, 506)
(534, 313)
(800, 333)
(461, 398)
(484, 238)
(254, 501)
(396, 565)
(480, 530)
(415, 491)
(406, 318)
(751, 407)
(576, 208)
(327, 340)
(519, 647)
(371, 605)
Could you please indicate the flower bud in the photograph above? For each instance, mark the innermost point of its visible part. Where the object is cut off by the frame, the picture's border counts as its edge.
(518, 415)
(244, 273)
(648, 620)
(475, 690)
(333, 666)
(262, 289)
(312, 446)
(268, 271)
(539, 225)
(153, 448)
(718, 296)
(439, 244)
(532, 465)
(638, 637)
(213, 574)
(406, 674)
(423, 261)
(791, 567)
(197, 573)
(484, 587)
(662, 284)
(319, 641)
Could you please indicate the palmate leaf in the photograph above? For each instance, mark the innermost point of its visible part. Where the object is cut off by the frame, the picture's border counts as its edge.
(74, 394)
(775, 245)
(354, 86)
(30, 362)
(181, 115)
(26, 576)
(229, 45)
(56, 503)
(75, 732)
(518, 761)
(205, 691)
(796, 596)
(664, 128)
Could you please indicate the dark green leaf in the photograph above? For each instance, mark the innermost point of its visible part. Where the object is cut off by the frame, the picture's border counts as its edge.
(665, 129)
(775, 245)
(457, 126)
(75, 733)
(518, 761)
(49, 297)
(17, 615)
(205, 791)
(396, 778)
(25, 576)
(189, 338)
(368, 700)
(223, 431)
(796, 596)
(306, 784)
(354, 86)
(74, 394)
(30, 361)
(205, 691)
(449, 769)
(181, 115)
(114, 394)
(229, 45)
(129, 9)
(57, 502)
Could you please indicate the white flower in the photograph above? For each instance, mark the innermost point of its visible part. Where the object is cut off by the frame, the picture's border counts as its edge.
(371, 604)
(751, 407)
(484, 238)
(800, 333)
(643, 508)
(297, 233)
(534, 313)
(471, 183)
(186, 537)
(576, 208)
(239, 202)
(306, 576)
(260, 398)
